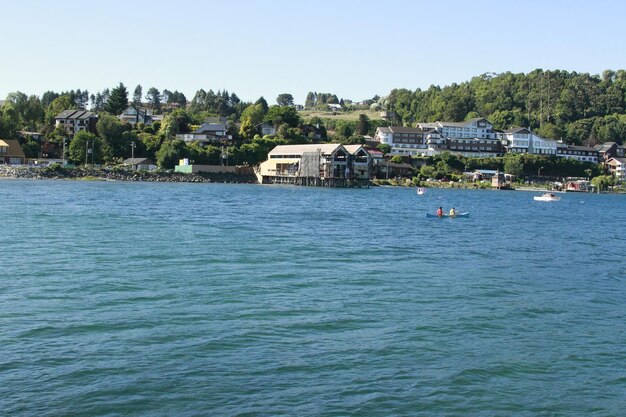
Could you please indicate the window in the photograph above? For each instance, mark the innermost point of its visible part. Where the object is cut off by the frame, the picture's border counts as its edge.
(4, 150)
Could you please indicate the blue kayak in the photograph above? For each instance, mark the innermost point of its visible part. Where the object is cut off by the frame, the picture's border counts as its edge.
(466, 214)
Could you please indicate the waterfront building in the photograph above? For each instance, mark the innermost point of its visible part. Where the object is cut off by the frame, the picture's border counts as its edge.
(140, 164)
(11, 152)
(324, 164)
(73, 121)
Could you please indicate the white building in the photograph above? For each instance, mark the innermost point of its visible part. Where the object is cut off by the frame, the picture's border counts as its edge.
(617, 167)
(522, 140)
(410, 140)
(473, 128)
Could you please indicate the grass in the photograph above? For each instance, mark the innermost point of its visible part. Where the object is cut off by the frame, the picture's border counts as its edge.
(353, 115)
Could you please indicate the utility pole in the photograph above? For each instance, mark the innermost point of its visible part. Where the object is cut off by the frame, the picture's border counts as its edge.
(132, 157)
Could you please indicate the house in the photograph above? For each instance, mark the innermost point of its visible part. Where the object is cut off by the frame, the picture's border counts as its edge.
(312, 132)
(522, 140)
(334, 107)
(206, 133)
(73, 121)
(133, 115)
(316, 164)
(11, 152)
(36, 136)
(140, 164)
(617, 167)
(610, 150)
(409, 140)
(266, 129)
(386, 169)
(580, 153)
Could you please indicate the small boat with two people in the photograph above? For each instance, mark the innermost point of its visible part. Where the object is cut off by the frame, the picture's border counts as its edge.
(546, 197)
(452, 214)
(421, 191)
(466, 214)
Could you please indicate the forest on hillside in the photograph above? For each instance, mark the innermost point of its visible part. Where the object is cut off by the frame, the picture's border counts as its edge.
(578, 108)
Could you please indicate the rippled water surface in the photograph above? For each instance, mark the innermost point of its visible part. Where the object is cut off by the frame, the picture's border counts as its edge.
(205, 299)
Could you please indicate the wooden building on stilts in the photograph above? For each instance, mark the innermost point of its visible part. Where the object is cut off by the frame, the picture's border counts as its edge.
(319, 165)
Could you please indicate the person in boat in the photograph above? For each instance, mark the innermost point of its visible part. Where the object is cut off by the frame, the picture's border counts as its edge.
(452, 212)
(440, 211)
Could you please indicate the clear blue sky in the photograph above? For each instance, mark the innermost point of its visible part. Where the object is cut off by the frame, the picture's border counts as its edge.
(355, 49)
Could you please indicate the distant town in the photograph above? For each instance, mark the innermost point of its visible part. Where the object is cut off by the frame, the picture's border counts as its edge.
(329, 141)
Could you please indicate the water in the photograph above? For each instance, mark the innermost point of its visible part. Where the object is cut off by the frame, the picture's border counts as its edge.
(203, 299)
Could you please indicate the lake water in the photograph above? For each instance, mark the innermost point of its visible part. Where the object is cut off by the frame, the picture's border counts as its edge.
(220, 299)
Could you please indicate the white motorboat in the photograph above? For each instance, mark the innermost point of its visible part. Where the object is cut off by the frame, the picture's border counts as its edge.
(546, 197)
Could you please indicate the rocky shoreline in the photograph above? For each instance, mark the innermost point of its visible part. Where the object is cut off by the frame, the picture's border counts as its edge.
(59, 173)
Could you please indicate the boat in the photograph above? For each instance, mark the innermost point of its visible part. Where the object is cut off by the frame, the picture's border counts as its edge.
(466, 214)
(546, 197)
(421, 191)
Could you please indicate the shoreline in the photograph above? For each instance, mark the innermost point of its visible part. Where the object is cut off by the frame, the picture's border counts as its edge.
(92, 174)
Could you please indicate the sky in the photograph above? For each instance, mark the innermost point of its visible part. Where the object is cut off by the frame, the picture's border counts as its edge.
(354, 49)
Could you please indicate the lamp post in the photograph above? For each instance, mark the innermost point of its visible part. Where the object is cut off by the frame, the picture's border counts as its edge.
(64, 139)
(539, 172)
(86, 153)
(132, 155)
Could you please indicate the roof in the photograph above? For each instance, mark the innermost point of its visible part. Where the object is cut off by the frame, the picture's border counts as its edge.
(14, 147)
(518, 130)
(210, 127)
(324, 148)
(605, 146)
(622, 161)
(75, 114)
(579, 148)
(353, 149)
(137, 161)
(462, 124)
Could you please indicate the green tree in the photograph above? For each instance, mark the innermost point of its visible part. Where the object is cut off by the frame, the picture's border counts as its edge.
(385, 148)
(118, 100)
(251, 117)
(284, 99)
(170, 153)
(278, 115)
(263, 104)
(153, 96)
(8, 122)
(362, 125)
(309, 103)
(57, 106)
(603, 182)
(111, 132)
(137, 94)
(513, 165)
(85, 144)
(175, 122)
